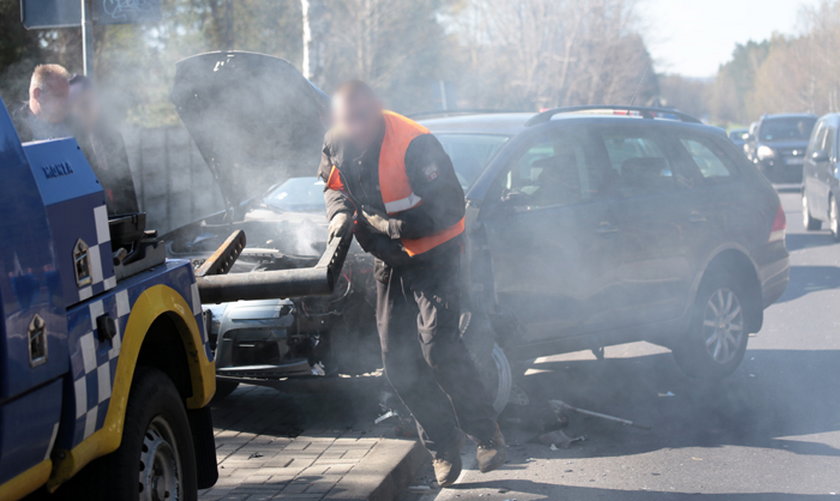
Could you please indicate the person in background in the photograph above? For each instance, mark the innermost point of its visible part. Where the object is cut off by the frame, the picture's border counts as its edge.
(103, 146)
(45, 115)
(389, 179)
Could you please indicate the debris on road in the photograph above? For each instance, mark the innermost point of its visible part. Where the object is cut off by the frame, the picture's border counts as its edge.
(559, 405)
(557, 439)
(667, 394)
(386, 416)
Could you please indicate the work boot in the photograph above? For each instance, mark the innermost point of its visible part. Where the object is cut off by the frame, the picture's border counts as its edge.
(447, 466)
(492, 453)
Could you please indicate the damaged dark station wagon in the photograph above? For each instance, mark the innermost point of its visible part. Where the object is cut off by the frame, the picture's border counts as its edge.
(594, 226)
(586, 227)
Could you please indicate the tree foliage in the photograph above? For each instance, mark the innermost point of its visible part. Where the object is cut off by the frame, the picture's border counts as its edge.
(785, 73)
(482, 53)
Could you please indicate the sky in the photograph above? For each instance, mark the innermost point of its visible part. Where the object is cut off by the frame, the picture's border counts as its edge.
(693, 37)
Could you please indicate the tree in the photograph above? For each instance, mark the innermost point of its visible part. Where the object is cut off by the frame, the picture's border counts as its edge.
(540, 53)
(735, 82)
(690, 95)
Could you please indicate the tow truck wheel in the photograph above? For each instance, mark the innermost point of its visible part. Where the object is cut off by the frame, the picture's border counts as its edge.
(155, 460)
(717, 338)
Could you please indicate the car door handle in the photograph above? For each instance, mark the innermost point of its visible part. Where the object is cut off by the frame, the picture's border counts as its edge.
(696, 217)
(606, 228)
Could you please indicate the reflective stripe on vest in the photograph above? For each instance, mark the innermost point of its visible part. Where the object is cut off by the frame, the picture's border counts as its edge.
(394, 185)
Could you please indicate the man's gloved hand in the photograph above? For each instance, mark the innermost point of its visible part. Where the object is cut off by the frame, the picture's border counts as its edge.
(377, 220)
(339, 224)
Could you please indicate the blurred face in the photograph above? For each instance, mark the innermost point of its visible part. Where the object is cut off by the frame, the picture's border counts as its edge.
(84, 107)
(358, 118)
(52, 101)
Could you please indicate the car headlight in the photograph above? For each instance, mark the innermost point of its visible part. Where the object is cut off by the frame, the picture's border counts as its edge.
(765, 153)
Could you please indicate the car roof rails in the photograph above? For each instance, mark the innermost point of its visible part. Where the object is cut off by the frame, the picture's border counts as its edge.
(457, 112)
(640, 111)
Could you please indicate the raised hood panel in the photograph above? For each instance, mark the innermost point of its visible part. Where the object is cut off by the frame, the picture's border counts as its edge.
(256, 120)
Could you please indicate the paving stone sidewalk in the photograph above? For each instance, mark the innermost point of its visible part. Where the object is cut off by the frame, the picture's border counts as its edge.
(272, 445)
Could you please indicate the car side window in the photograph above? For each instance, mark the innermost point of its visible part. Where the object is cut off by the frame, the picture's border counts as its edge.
(829, 141)
(638, 162)
(710, 164)
(550, 172)
(817, 138)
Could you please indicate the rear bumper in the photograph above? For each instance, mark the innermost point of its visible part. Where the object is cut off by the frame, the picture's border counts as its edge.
(774, 277)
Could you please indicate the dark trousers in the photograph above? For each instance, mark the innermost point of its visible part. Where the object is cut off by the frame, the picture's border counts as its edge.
(417, 313)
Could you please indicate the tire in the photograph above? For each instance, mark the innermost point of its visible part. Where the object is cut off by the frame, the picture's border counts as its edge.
(499, 378)
(490, 359)
(833, 218)
(496, 374)
(156, 458)
(224, 387)
(717, 338)
(809, 221)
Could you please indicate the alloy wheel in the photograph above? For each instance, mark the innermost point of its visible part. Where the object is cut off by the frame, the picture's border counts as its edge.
(723, 325)
(160, 466)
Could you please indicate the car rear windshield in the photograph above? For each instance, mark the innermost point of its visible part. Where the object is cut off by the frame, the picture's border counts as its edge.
(297, 194)
(787, 129)
(470, 153)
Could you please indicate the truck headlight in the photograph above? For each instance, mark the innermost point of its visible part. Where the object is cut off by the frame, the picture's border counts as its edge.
(765, 153)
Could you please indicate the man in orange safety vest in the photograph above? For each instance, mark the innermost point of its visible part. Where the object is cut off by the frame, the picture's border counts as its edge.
(389, 178)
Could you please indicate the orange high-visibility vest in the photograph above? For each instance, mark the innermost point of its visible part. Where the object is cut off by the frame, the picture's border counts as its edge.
(394, 186)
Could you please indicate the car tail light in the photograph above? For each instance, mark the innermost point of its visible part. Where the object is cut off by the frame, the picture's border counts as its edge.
(777, 232)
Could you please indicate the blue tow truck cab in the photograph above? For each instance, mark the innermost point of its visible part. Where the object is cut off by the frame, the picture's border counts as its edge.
(103, 348)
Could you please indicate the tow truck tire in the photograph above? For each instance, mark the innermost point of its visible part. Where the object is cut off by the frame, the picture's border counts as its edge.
(717, 338)
(155, 459)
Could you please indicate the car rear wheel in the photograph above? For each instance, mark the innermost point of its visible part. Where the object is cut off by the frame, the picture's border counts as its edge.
(809, 221)
(717, 339)
(833, 218)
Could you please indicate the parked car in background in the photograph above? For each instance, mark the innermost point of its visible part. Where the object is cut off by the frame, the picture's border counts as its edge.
(594, 226)
(739, 137)
(820, 185)
(777, 145)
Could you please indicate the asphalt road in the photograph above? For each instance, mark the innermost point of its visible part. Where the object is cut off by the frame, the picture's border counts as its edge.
(769, 432)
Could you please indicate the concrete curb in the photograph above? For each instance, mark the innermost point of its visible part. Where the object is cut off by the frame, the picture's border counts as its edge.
(383, 474)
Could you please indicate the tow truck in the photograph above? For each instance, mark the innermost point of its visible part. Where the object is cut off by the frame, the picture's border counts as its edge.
(106, 371)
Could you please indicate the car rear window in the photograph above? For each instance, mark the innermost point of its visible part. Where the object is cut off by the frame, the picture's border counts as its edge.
(787, 129)
(710, 163)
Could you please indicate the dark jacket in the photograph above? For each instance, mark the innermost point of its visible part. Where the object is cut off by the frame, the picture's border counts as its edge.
(105, 150)
(431, 176)
(31, 128)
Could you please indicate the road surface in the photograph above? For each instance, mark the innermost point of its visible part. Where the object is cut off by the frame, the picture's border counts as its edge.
(769, 432)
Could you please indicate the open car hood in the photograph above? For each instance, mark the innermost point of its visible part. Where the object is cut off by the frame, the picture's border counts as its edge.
(255, 119)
